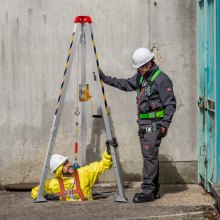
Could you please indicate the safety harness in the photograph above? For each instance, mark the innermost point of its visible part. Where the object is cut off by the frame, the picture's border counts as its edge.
(154, 114)
(78, 190)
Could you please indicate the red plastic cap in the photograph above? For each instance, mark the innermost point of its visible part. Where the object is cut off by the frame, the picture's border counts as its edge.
(82, 19)
(76, 148)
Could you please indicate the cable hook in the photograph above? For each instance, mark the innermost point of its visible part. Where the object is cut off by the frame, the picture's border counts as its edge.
(77, 112)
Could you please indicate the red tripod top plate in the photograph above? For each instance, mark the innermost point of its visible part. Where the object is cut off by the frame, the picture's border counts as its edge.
(82, 19)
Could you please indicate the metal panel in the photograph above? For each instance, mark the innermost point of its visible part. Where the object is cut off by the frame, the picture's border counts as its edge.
(217, 66)
(207, 91)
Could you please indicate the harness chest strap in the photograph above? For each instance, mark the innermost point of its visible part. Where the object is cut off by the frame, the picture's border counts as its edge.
(78, 190)
(76, 175)
(152, 78)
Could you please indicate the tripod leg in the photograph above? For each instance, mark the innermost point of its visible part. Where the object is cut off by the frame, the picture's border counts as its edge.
(57, 115)
(83, 104)
(109, 131)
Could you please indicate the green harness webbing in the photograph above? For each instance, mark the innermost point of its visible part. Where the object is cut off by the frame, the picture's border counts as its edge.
(152, 77)
(155, 114)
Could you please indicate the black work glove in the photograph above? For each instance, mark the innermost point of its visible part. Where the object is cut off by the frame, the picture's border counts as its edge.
(102, 75)
(162, 132)
(51, 197)
(112, 142)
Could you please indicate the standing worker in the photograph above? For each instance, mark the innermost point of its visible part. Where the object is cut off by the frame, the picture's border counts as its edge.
(156, 104)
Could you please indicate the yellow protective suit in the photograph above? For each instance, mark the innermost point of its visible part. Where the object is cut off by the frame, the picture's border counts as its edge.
(87, 177)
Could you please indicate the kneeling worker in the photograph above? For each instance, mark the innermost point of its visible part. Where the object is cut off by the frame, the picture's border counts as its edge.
(74, 185)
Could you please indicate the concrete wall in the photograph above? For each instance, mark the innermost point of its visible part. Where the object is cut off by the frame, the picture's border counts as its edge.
(35, 37)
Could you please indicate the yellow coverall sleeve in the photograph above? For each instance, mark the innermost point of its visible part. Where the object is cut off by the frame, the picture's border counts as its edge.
(51, 186)
(95, 169)
(35, 189)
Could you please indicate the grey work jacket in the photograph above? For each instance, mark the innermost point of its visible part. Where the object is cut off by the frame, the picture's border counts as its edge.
(161, 96)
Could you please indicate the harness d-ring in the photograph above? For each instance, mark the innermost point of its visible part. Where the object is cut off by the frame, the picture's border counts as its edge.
(77, 112)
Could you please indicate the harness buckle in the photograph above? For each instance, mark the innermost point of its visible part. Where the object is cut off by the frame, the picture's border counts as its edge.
(148, 90)
(152, 115)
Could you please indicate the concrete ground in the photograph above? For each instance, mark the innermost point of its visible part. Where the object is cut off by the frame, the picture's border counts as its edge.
(177, 202)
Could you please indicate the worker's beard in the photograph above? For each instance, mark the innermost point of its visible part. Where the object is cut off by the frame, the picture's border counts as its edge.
(69, 172)
(145, 73)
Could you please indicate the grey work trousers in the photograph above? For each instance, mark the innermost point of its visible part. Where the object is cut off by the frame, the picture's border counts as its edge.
(150, 142)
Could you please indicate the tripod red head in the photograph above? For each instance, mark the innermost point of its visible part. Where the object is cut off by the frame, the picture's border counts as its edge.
(82, 19)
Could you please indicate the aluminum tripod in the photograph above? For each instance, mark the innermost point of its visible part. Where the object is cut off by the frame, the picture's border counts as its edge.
(82, 32)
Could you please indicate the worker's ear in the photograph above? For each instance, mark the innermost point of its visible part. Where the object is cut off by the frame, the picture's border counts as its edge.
(149, 64)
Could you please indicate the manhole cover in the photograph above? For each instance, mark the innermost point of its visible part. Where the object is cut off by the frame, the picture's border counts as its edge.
(20, 186)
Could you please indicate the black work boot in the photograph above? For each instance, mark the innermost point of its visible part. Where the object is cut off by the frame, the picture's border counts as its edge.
(157, 192)
(141, 197)
(157, 195)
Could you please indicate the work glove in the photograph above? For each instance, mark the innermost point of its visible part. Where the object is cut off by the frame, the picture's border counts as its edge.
(112, 142)
(162, 132)
(51, 197)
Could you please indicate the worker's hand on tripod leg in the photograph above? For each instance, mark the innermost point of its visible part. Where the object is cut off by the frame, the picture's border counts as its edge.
(102, 75)
(112, 142)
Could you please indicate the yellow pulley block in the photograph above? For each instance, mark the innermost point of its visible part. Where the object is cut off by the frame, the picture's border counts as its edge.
(84, 94)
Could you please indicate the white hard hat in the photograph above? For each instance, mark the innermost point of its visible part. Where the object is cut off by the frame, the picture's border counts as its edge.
(56, 160)
(141, 56)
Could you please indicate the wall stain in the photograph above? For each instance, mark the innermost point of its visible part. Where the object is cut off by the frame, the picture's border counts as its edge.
(149, 22)
(45, 19)
(17, 27)
(6, 17)
(26, 176)
(180, 105)
(30, 13)
(157, 55)
(3, 51)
